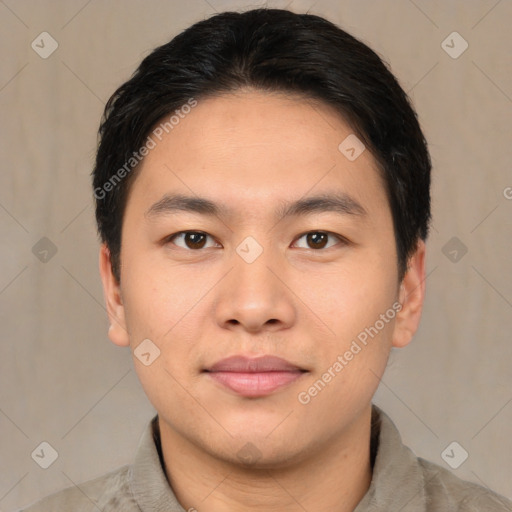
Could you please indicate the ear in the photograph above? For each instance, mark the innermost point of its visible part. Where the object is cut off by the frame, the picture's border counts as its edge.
(112, 293)
(411, 297)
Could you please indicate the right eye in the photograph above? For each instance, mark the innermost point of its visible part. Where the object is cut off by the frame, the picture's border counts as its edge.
(193, 240)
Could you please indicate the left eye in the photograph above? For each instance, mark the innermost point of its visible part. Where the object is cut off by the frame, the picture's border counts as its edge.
(193, 239)
(318, 239)
(197, 239)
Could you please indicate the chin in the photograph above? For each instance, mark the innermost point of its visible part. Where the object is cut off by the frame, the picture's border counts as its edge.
(260, 451)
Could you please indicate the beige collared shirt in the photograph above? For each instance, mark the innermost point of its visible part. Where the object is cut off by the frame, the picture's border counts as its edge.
(401, 482)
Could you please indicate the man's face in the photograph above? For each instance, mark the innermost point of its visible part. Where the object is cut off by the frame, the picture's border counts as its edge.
(253, 283)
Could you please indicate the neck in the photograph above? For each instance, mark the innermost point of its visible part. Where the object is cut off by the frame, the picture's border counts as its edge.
(334, 478)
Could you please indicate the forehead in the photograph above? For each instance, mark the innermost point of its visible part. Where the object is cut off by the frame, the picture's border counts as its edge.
(253, 146)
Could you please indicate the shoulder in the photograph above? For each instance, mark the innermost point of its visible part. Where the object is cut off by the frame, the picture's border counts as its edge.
(444, 489)
(412, 483)
(108, 493)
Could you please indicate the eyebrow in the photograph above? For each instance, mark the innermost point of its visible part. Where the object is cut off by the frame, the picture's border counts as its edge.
(339, 202)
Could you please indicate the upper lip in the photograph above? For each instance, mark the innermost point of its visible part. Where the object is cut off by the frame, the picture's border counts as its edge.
(244, 364)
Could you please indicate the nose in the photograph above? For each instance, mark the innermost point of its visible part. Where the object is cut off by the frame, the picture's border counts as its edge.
(256, 296)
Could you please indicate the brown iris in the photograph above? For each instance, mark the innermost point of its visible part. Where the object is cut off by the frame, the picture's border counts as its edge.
(194, 239)
(317, 239)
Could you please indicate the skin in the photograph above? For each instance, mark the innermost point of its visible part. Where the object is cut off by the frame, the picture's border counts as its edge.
(252, 151)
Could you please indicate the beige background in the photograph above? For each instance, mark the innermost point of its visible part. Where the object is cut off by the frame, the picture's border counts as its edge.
(63, 382)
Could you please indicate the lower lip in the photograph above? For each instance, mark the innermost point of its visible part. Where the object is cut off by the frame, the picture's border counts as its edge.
(255, 384)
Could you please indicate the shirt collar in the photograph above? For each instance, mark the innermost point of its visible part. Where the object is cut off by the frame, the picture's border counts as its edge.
(397, 481)
(148, 482)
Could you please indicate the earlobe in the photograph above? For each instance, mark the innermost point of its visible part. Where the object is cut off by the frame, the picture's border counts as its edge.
(411, 297)
(117, 331)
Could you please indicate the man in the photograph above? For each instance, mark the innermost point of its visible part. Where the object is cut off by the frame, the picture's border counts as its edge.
(262, 194)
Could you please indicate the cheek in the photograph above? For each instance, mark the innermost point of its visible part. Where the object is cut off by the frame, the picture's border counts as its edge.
(162, 310)
(357, 306)
(164, 306)
(354, 298)
(158, 300)
(349, 371)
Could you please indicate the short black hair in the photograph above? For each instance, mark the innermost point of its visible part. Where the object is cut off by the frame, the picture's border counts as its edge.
(272, 50)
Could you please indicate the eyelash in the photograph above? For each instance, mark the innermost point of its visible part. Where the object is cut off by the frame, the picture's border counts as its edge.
(343, 240)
